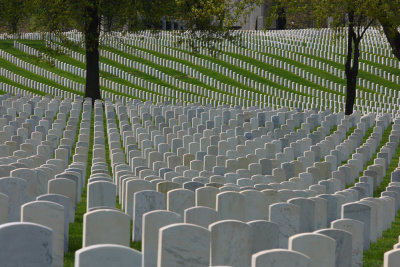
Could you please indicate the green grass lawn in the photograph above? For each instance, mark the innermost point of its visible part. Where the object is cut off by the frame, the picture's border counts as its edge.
(374, 256)
(40, 45)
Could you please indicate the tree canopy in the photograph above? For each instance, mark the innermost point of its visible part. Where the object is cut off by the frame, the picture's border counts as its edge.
(208, 20)
(12, 14)
(388, 17)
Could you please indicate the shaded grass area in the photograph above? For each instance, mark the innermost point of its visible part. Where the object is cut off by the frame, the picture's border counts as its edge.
(20, 86)
(76, 228)
(40, 45)
(30, 75)
(172, 72)
(285, 73)
(374, 256)
(9, 47)
(205, 71)
(361, 74)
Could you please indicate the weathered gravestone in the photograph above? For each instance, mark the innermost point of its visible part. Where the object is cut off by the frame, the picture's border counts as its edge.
(356, 229)
(145, 201)
(280, 258)
(343, 255)
(65, 187)
(201, 216)
(153, 221)
(26, 244)
(180, 199)
(319, 248)
(264, 235)
(207, 196)
(99, 228)
(107, 255)
(69, 212)
(287, 216)
(17, 191)
(184, 245)
(49, 214)
(101, 194)
(362, 213)
(230, 243)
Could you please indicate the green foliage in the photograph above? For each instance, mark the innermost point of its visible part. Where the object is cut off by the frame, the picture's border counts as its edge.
(209, 22)
(214, 15)
(12, 14)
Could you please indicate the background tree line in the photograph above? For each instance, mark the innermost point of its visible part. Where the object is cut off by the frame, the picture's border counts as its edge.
(207, 20)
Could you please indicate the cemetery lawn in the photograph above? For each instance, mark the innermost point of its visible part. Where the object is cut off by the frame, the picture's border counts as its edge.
(374, 256)
(39, 62)
(173, 73)
(27, 74)
(205, 71)
(278, 71)
(40, 46)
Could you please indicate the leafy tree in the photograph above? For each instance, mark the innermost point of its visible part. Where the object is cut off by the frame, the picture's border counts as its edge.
(86, 16)
(12, 13)
(89, 17)
(151, 12)
(210, 22)
(212, 18)
(388, 16)
(356, 15)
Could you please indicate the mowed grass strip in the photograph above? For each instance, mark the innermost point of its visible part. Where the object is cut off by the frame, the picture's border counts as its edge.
(39, 62)
(361, 74)
(205, 71)
(30, 75)
(23, 87)
(76, 228)
(172, 72)
(106, 75)
(374, 256)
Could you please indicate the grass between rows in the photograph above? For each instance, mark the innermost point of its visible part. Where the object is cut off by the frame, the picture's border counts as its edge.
(40, 46)
(384, 140)
(374, 256)
(362, 74)
(172, 72)
(27, 74)
(76, 228)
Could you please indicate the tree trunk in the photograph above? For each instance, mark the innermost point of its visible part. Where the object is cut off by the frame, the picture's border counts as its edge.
(392, 35)
(92, 35)
(281, 21)
(351, 75)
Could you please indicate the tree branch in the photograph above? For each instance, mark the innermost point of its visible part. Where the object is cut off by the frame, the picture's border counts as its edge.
(392, 35)
(366, 28)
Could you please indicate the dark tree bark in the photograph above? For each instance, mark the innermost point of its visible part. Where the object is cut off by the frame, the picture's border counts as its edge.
(281, 21)
(392, 35)
(351, 70)
(92, 36)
